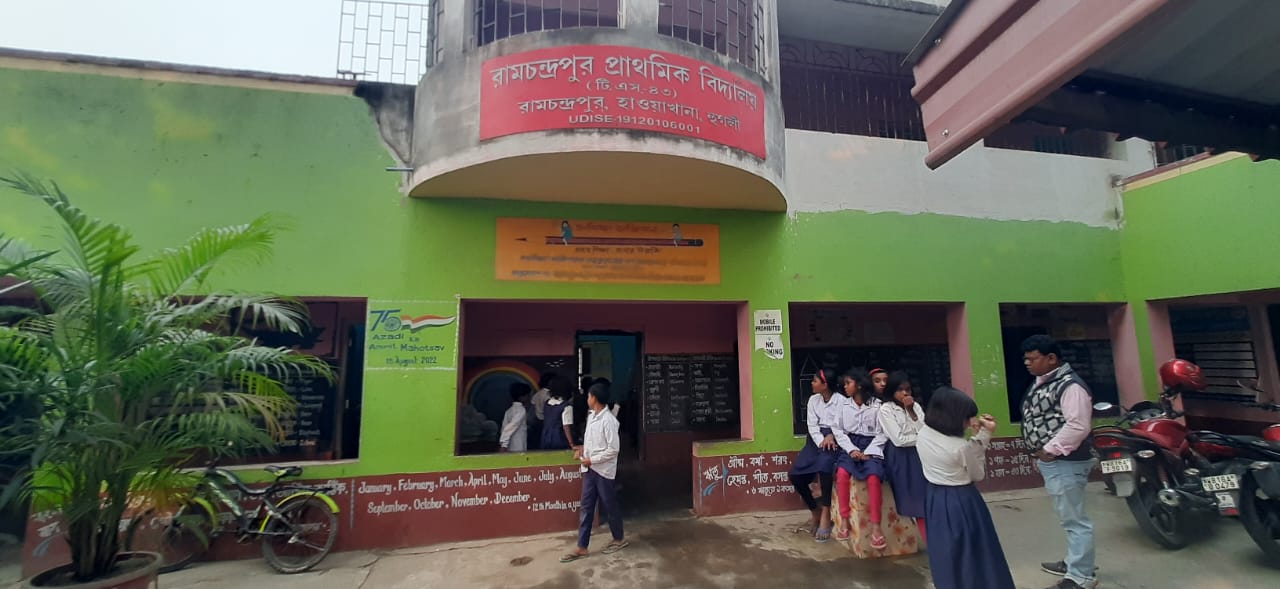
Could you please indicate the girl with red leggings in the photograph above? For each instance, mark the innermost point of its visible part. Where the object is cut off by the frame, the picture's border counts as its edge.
(859, 435)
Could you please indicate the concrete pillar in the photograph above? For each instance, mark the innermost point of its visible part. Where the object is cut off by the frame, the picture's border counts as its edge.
(1264, 350)
(1124, 352)
(746, 349)
(958, 348)
(1161, 335)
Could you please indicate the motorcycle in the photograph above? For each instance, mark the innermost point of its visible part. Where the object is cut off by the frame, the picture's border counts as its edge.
(1170, 477)
(1260, 485)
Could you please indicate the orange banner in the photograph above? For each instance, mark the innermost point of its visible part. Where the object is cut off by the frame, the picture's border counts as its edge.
(566, 250)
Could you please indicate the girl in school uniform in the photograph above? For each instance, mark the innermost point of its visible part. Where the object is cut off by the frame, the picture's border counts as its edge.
(880, 378)
(557, 425)
(901, 418)
(862, 456)
(964, 550)
(818, 457)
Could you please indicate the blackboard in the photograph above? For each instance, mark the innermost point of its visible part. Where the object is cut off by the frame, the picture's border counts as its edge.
(929, 367)
(690, 392)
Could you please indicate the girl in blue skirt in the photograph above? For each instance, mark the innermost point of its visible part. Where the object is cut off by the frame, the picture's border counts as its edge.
(964, 550)
(862, 458)
(901, 418)
(818, 457)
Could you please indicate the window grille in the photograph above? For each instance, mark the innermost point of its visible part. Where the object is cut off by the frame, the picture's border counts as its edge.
(499, 19)
(735, 28)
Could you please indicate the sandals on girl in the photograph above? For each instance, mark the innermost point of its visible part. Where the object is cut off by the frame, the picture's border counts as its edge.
(843, 534)
(823, 535)
(878, 541)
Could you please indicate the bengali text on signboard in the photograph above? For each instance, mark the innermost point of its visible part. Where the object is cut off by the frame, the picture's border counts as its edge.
(564, 250)
(614, 87)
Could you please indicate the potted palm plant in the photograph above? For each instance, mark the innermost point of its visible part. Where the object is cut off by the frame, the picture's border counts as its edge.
(136, 369)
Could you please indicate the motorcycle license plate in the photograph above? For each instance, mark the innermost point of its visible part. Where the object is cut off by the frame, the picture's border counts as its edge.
(1223, 482)
(1120, 465)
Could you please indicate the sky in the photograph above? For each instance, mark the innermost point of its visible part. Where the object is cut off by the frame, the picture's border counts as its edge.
(280, 36)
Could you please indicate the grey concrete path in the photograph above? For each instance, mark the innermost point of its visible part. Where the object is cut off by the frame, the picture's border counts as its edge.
(757, 551)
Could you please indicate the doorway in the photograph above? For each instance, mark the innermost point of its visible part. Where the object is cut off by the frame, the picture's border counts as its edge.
(614, 356)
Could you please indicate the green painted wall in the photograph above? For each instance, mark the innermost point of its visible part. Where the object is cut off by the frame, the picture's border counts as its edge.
(167, 158)
(1207, 231)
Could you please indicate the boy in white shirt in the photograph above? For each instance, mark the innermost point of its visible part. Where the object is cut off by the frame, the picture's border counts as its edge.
(515, 424)
(599, 457)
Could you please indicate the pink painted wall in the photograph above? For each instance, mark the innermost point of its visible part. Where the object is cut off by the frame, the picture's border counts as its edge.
(525, 328)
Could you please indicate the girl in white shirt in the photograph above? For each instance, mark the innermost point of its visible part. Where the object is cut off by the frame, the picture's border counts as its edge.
(515, 422)
(901, 418)
(862, 442)
(964, 549)
(818, 457)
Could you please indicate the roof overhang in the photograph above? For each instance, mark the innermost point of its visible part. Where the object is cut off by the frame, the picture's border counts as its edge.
(1195, 72)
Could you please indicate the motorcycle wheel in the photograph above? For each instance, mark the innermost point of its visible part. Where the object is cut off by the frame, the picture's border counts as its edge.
(1261, 518)
(1166, 525)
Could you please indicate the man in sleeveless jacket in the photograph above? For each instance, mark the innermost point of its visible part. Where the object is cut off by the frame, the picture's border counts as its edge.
(1057, 412)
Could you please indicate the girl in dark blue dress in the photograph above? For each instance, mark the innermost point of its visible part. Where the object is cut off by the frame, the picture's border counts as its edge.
(818, 457)
(901, 418)
(964, 549)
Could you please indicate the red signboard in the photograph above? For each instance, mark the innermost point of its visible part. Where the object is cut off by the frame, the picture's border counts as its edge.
(613, 87)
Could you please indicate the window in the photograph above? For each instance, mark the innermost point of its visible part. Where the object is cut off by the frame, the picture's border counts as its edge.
(435, 50)
(849, 90)
(327, 423)
(915, 338)
(393, 42)
(729, 27)
(1168, 153)
(1032, 136)
(673, 369)
(499, 19)
(1220, 340)
(1084, 332)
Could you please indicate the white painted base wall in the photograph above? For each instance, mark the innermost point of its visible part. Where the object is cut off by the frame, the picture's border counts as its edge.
(830, 172)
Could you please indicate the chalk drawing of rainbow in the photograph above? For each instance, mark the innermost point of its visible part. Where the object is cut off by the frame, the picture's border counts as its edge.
(487, 386)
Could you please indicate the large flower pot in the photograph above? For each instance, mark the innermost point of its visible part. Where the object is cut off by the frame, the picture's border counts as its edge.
(136, 570)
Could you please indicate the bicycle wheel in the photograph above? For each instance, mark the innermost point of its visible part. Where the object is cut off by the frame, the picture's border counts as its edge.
(302, 538)
(186, 537)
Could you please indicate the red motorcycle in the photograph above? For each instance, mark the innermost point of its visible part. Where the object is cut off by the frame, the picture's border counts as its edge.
(1169, 476)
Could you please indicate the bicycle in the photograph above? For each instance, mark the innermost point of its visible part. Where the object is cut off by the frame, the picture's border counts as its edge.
(281, 524)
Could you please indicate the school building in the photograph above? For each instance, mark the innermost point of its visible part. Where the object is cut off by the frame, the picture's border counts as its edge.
(703, 200)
